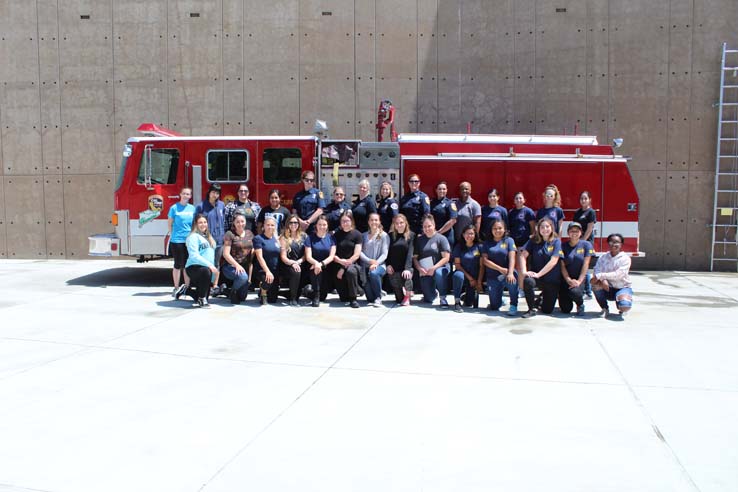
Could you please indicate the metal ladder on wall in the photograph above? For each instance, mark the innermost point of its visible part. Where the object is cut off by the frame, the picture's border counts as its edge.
(724, 253)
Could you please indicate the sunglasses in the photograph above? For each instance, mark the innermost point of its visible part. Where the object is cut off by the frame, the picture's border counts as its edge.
(414, 181)
(309, 180)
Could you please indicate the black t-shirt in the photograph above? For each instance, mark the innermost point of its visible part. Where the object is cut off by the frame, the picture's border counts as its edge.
(361, 210)
(346, 242)
(584, 218)
(280, 215)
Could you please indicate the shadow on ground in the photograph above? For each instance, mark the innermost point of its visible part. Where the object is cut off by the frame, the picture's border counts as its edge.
(126, 277)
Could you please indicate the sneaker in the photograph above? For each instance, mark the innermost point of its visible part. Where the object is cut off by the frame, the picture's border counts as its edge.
(315, 303)
(180, 291)
(262, 296)
(604, 313)
(588, 296)
(354, 304)
(580, 310)
(377, 303)
(530, 313)
(405, 301)
(458, 308)
(235, 297)
(204, 303)
(174, 291)
(215, 291)
(443, 302)
(294, 303)
(513, 311)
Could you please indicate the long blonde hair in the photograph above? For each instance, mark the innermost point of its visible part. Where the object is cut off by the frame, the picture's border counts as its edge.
(394, 232)
(207, 234)
(287, 234)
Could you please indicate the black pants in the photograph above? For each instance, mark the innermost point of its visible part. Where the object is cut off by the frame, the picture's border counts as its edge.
(199, 281)
(272, 289)
(294, 279)
(568, 297)
(549, 292)
(321, 283)
(398, 283)
(348, 285)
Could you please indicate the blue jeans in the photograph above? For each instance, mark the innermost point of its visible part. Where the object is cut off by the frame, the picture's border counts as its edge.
(240, 282)
(587, 285)
(461, 283)
(439, 281)
(373, 287)
(496, 284)
(623, 298)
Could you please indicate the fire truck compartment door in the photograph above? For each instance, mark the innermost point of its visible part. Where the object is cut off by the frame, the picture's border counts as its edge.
(196, 184)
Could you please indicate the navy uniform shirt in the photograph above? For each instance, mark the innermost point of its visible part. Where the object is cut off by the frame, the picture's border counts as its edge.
(333, 213)
(307, 202)
(519, 222)
(554, 213)
(361, 209)
(387, 209)
(540, 254)
(498, 252)
(574, 256)
(489, 215)
(414, 206)
(468, 257)
(443, 211)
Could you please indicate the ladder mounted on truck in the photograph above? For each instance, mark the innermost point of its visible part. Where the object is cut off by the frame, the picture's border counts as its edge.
(724, 251)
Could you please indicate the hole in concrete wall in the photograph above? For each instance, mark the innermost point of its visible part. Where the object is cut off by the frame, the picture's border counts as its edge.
(194, 14)
(84, 17)
(326, 13)
(560, 10)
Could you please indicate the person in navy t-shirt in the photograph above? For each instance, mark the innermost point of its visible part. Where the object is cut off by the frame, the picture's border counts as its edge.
(543, 252)
(492, 212)
(577, 255)
(498, 258)
(552, 208)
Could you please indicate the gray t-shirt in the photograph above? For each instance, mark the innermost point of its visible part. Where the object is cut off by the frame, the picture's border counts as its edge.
(432, 247)
(467, 211)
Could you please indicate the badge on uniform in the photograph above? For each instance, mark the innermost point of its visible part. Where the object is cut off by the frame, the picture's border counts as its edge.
(580, 251)
(503, 246)
(394, 206)
(453, 206)
(427, 200)
(549, 248)
(476, 252)
(320, 194)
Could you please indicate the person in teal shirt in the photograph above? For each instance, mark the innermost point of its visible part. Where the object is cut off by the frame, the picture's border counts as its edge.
(180, 223)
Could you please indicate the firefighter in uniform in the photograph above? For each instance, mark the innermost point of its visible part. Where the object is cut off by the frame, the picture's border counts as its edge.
(309, 203)
(415, 205)
(444, 212)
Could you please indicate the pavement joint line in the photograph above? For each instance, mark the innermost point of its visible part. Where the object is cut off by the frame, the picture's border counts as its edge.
(36, 366)
(647, 415)
(291, 404)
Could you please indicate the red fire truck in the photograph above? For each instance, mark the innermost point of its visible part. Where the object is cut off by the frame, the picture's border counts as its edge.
(157, 165)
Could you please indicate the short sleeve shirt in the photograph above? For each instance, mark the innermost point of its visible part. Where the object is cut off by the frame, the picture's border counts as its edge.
(443, 211)
(387, 210)
(584, 218)
(333, 213)
(431, 247)
(541, 253)
(241, 247)
(414, 206)
(519, 219)
(489, 215)
(469, 257)
(182, 224)
(498, 252)
(320, 248)
(361, 210)
(467, 211)
(554, 213)
(306, 202)
(574, 256)
(280, 215)
(270, 250)
(346, 242)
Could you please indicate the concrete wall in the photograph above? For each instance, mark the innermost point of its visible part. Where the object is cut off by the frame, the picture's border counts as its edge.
(78, 76)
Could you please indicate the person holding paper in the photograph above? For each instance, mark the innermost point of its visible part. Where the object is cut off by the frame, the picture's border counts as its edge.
(430, 257)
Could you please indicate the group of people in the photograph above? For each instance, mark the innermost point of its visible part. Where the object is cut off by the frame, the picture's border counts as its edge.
(371, 246)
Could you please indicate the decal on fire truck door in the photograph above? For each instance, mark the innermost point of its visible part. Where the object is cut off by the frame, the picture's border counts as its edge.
(156, 205)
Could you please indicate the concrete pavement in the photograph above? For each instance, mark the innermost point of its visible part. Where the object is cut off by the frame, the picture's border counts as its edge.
(107, 384)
